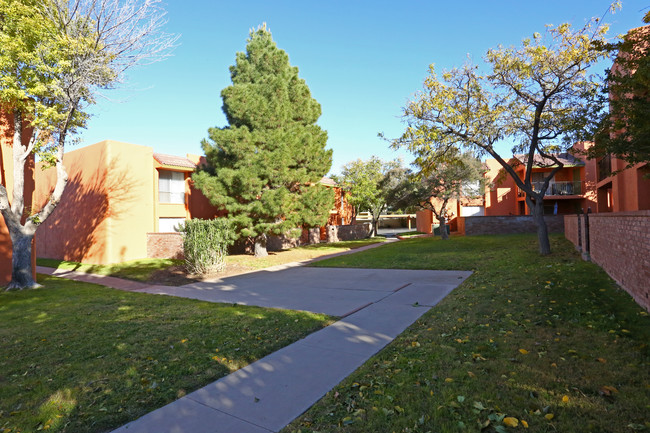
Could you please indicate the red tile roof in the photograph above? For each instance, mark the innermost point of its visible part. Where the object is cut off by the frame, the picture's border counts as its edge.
(174, 161)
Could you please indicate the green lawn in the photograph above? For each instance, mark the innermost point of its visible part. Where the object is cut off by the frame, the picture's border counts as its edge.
(138, 270)
(78, 357)
(153, 270)
(548, 344)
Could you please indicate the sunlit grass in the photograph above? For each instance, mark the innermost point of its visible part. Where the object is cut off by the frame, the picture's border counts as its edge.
(78, 357)
(549, 342)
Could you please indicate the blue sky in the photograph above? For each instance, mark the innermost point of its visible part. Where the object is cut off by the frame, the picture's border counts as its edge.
(362, 60)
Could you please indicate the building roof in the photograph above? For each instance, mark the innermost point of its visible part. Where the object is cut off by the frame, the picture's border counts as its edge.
(174, 161)
(540, 162)
(327, 181)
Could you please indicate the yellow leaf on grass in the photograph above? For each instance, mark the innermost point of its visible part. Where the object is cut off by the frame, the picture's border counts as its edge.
(511, 421)
(449, 379)
(549, 416)
(470, 374)
(524, 423)
(565, 399)
(523, 351)
(184, 340)
(601, 360)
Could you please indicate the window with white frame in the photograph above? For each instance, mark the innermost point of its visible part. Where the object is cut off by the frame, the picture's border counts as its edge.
(171, 187)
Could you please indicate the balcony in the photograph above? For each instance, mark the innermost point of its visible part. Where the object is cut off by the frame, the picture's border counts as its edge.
(557, 188)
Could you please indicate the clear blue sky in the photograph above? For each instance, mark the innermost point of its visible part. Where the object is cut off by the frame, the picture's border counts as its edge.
(362, 60)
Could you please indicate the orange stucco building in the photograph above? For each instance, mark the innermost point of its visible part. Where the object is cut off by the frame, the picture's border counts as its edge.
(572, 189)
(7, 180)
(116, 194)
(119, 195)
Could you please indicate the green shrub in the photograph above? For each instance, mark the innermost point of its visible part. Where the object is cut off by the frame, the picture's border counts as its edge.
(205, 244)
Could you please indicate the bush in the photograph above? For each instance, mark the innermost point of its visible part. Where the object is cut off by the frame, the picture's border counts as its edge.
(205, 244)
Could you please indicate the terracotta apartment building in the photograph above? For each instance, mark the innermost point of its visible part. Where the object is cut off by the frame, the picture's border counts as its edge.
(120, 197)
(581, 185)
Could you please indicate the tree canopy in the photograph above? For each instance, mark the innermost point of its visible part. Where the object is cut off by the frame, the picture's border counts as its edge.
(538, 94)
(434, 186)
(264, 167)
(371, 185)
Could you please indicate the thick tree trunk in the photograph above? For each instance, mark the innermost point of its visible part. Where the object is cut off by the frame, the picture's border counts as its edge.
(21, 269)
(537, 208)
(375, 227)
(260, 246)
(443, 228)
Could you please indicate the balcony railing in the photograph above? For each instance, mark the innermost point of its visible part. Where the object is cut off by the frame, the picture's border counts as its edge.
(557, 188)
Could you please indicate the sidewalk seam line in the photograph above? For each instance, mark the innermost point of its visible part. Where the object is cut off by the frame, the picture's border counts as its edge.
(225, 413)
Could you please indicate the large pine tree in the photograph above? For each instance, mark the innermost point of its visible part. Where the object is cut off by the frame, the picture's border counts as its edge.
(264, 168)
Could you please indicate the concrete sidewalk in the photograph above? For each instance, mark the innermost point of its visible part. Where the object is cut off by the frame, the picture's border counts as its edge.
(375, 306)
(268, 394)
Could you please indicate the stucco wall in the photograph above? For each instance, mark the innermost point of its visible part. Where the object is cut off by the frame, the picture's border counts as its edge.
(490, 225)
(107, 207)
(620, 244)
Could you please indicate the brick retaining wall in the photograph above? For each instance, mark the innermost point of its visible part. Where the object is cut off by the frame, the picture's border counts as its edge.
(620, 244)
(164, 246)
(493, 225)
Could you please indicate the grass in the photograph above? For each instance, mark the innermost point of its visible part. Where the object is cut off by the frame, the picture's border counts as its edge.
(410, 234)
(137, 270)
(547, 343)
(77, 357)
(170, 272)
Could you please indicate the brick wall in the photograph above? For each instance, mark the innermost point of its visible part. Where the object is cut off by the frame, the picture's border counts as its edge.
(348, 232)
(164, 246)
(620, 244)
(492, 225)
(571, 228)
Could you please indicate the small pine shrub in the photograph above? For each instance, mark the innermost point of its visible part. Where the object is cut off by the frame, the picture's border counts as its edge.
(205, 244)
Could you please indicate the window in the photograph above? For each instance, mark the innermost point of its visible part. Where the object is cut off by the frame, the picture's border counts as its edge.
(166, 225)
(171, 187)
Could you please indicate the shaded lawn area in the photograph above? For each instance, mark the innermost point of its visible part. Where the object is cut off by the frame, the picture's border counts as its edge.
(77, 357)
(171, 272)
(527, 343)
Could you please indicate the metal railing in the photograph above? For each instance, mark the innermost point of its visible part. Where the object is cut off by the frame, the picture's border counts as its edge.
(557, 188)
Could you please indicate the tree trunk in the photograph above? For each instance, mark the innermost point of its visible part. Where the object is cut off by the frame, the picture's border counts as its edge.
(375, 227)
(443, 228)
(21, 261)
(260, 246)
(537, 208)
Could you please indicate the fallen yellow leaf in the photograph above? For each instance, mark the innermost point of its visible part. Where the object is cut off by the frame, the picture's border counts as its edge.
(549, 416)
(523, 351)
(449, 379)
(565, 399)
(470, 374)
(601, 360)
(524, 423)
(511, 421)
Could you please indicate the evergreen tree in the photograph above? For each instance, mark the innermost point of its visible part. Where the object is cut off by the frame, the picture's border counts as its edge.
(264, 168)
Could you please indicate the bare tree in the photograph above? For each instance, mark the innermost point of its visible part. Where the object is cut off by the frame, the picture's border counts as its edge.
(59, 54)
